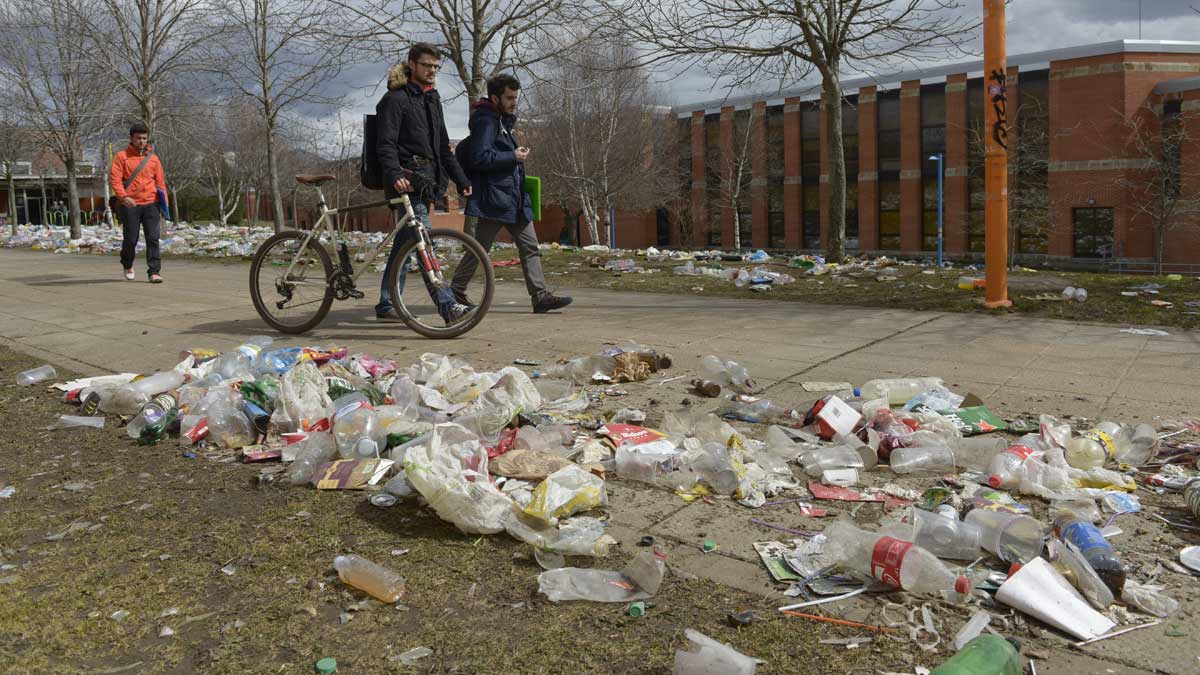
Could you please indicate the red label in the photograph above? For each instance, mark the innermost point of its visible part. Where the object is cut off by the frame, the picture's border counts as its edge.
(320, 425)
(886, 558)
(196, 433)
(1020, 451)
(630, 433)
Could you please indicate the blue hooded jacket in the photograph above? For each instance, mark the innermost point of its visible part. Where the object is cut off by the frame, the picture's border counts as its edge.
(498, 179)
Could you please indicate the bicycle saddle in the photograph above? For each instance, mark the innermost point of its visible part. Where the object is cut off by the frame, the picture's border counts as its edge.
(315, 179)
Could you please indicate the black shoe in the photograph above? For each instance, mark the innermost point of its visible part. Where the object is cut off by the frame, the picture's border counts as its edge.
(389, 315)
(550, 302)
(457, 313)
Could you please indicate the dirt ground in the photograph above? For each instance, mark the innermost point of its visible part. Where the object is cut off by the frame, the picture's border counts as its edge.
(242, 573)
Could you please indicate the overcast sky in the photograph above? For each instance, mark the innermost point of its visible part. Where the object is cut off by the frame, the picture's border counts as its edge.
(1033, 25)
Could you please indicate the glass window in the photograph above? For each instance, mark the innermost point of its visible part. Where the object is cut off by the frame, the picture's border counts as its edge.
(712, 176)
(1029, 203)
(1093, 232)
(976, 189)
(889, 211)
(812, 215)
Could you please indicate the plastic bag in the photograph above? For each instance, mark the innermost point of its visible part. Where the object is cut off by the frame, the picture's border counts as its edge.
(1149, 599)
(573, 583)
(709, 657)
(566, 492)
(303, 400)
(453, 478)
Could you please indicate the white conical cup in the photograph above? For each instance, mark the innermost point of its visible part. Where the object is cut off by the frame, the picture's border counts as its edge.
(1037, 589)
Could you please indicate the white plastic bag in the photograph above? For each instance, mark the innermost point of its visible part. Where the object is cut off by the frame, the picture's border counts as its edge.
(453, 478)
(709, 657)
(303, 399)
(566, 492)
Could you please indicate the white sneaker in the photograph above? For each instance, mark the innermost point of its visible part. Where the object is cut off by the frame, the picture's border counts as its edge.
(129, 275)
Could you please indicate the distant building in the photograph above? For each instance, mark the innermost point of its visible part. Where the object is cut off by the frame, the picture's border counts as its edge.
(41, 188)
(1068, 111)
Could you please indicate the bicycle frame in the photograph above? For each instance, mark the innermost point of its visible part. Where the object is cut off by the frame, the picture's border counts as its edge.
(324, 224)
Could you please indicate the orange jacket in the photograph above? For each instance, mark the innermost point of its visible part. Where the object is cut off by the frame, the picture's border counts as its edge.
(142, 188)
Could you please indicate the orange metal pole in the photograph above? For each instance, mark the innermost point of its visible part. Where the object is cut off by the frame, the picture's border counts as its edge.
(995, 64)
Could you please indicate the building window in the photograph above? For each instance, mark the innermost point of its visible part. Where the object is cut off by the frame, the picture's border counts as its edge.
(933, 142)
(712, 179)
(1029, 202)
(888, 107)
(775, 149)
(976, 187)
(1093, 232)
(889, 210)
(850, 147)
(810, 173)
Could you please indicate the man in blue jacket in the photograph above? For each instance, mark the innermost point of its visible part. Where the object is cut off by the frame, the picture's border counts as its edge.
(498, 198)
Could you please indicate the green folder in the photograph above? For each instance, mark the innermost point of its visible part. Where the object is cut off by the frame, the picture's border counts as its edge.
(533, 187)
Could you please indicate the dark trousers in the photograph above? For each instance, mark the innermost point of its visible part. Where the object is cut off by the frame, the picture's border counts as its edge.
(133, 221)
(523, 235)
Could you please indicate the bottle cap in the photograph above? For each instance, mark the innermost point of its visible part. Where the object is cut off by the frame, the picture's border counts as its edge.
(709, 545)
(327, 665)
(637, 609)
(962, 585)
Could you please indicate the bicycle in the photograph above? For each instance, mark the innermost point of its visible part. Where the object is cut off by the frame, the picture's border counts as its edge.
(283, 301)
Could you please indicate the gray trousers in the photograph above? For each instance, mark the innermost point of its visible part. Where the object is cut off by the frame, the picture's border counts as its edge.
(523, 235)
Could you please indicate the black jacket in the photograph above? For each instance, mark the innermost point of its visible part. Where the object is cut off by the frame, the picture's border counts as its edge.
(412, 135)
(499, 192)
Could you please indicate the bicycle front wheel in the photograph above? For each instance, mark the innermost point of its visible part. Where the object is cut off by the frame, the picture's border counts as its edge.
(296, 301)
(460, 292)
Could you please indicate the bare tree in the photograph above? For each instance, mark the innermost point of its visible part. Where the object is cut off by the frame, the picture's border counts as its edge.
(147, 45)
(747, 41)
(61, 93)
(735, 171)
(1161, 188)
(593, 134)
(480, 37)
(14, 147)
(276, 54)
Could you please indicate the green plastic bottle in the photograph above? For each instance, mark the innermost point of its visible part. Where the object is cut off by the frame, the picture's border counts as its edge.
(985, 655)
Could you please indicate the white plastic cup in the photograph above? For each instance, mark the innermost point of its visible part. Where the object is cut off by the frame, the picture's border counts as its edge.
(946, 537)
(1010, 536)
(35, 375)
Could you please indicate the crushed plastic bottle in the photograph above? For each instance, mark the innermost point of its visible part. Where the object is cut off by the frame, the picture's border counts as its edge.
(582, 370)
(129, 399)
(241, 360)
(35, 375)
(312, 452)
(1004, 471)
(1094, 548)
(357, 430)
(727, 373)
(377, 581)
(893, 561)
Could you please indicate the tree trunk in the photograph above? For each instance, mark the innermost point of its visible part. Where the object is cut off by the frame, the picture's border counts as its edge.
(12, 202)
(737, 227)
(73, 199)
(175, 208)
(1160, 231)
(45, 202)
(276, 195)
(831, 98)
(589, 214)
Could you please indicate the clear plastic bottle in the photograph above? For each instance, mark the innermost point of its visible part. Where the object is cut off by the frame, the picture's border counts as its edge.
(1004, 471)
(35, 375)
(315, 450)
(1095, 549)
(893, 561)
(358, 432)
(377, 581)
(152, 413)
(928, 459)
(241, 360)
(574, 583)
(759, 410)
(581, 370)
(129, 399)
(228, 426)
(898, 391)
(1090, 450)
(727, 373)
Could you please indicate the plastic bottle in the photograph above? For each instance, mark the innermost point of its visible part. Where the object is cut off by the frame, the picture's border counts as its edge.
(727, 373)
(35, 375)
(129, 399)
(1094, 548)
(356, 428)
(893, 561)
(759, 411)
(152, 413)
(315, 450)
(1004, 469)
(984, 655)
(1091, 450)
(898, 391)
(241, 360)
(928, 459)
(581, 370)
(574, 583)
(379, 582)
(228, 426)
(816, 462)
(716, 469)
(1009, 536)
(706, 388)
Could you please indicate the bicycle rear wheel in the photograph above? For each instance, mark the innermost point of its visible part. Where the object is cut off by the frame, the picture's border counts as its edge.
(296, 302)
(466, 280)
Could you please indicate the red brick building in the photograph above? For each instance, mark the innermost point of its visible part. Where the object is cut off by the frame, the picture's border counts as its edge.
(1070, 110)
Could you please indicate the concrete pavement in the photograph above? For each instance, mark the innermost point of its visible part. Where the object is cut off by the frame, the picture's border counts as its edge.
(76, 311)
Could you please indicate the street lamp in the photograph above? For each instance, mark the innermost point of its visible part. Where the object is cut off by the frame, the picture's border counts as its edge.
(940, 159)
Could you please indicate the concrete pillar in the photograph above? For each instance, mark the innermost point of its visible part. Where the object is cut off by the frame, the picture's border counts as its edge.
(699, 187)
(727, 173)
(911, 202)
(758, 184)
(793, 195)
(868, 170)
(955, 189)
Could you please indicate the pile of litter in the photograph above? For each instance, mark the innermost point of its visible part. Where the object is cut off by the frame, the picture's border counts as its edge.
(976, 513)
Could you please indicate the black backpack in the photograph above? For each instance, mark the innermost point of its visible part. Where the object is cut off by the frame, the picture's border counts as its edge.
(461, 153)
(370, 173)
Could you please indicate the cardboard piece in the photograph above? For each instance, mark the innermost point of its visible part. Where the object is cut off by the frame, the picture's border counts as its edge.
(350, 474)
(630, 434)
(260, 453)
(841, 494)
(975, 420)
(839, 415)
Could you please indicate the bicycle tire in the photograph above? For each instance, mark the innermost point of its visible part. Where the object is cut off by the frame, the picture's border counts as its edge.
(262, 305)
(481, 308)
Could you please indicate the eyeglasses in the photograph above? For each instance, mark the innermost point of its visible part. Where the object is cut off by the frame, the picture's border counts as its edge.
(430, 66)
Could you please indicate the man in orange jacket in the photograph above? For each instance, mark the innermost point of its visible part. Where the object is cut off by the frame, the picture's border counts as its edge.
(139, 191)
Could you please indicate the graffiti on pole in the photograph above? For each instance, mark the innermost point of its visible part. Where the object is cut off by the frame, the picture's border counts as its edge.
(998, 90)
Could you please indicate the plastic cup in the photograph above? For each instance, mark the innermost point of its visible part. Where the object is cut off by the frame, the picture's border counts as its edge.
(945, 537)
(1012, 537)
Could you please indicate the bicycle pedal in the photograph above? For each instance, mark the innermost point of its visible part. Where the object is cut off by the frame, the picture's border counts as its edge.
(356, 294)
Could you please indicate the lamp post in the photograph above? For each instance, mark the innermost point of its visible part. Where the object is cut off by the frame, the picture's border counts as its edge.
(940, 160)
